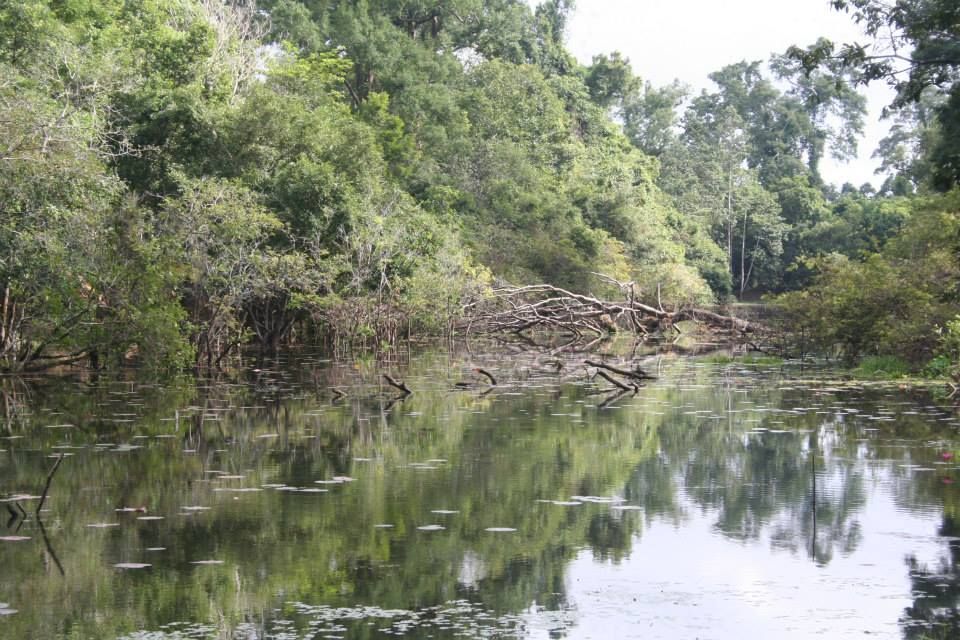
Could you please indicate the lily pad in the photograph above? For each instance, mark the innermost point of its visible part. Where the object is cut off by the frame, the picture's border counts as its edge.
(432, 527)
(500, 529)
(13, 538)
(132, 565)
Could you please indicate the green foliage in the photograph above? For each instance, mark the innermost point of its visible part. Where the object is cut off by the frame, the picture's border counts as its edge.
(882, 367)
(650, 116)
(947, 361)
(913, 46)
(610, 79)
(892, 301)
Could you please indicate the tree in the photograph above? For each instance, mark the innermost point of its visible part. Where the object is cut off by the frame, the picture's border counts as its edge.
(650, 117)
(610, 80)
(914, 48)
(890, 302)
(833, 109)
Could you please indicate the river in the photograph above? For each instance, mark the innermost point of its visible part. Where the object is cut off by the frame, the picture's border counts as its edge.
(721, 500)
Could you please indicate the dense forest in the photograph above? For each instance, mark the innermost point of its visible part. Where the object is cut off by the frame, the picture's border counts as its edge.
(179, 178)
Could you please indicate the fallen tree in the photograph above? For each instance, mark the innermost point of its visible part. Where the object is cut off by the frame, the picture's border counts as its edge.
(543, 306)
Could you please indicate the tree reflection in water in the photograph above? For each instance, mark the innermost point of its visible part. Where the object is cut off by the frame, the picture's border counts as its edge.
(538, 455)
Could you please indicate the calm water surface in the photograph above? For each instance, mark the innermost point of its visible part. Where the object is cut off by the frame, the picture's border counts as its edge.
(720, 501)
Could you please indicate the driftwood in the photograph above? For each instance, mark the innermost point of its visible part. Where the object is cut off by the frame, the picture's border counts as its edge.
(397, 384)
(517, 309)
(637, 373)
(615, 382)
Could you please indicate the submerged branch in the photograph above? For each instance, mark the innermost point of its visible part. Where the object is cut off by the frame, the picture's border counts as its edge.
(620, 385)
(46, 488)
(397, 384)
(637, 373)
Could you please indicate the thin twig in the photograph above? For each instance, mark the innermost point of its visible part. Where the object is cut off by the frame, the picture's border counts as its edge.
(43, 496)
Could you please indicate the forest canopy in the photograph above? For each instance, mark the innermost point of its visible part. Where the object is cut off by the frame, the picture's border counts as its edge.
(179, 178)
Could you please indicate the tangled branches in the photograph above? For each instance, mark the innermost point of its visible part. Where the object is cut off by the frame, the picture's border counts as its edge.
(544, 306)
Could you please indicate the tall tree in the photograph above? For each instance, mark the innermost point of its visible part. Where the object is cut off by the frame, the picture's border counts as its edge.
(914, 46)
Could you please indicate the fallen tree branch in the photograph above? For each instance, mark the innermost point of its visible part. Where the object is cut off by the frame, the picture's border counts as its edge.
(615, 382)
(637, 373)
(397, 384)
(517, 309)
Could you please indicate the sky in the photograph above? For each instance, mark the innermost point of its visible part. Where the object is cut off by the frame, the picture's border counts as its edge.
(689, 39)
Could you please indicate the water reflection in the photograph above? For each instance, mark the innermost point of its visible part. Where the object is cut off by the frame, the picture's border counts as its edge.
(934, 613)
(266, 504)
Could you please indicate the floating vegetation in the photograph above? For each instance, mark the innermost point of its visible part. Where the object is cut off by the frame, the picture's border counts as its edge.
(13, 538)
(132, 565)
(103, 525)
(500, 529)
(460, 618)
(432, 527)
(206, 562)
